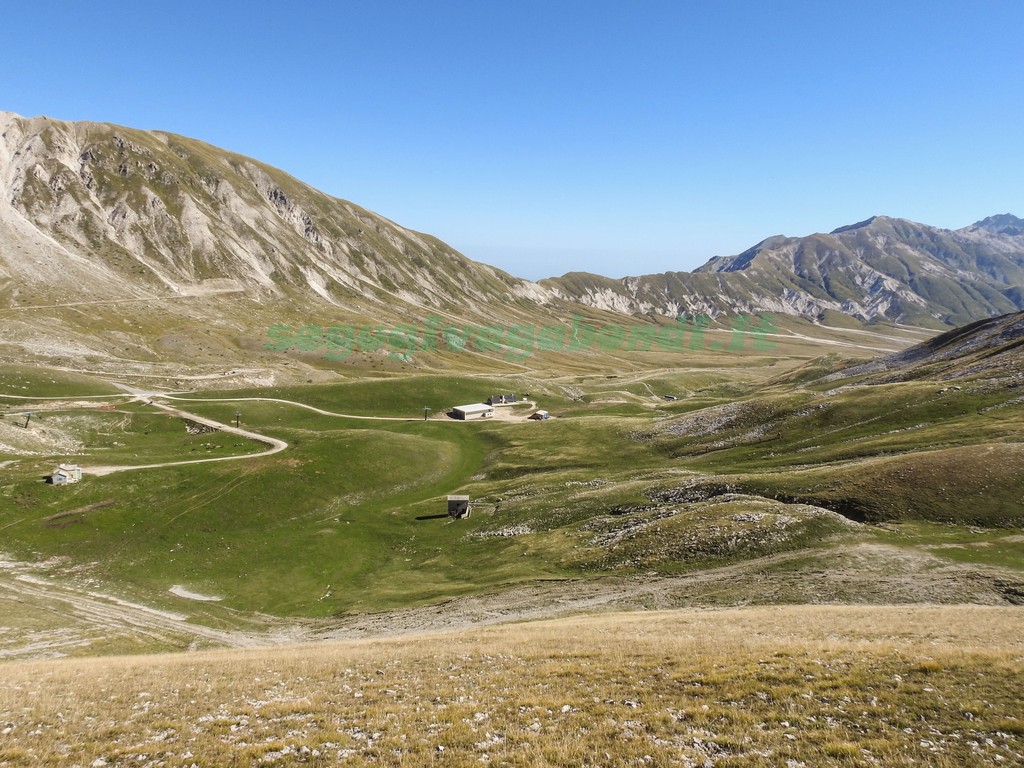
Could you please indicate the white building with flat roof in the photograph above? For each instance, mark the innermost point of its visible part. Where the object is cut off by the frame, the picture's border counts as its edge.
(473, 411)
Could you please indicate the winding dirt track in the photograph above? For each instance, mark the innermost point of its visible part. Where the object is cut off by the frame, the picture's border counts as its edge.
(322, 412)
(276, 446)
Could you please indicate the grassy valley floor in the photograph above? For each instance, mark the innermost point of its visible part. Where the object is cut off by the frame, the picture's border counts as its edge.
(656, 489)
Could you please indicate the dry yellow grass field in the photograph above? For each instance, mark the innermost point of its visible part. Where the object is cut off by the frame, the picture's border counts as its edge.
(770, 686)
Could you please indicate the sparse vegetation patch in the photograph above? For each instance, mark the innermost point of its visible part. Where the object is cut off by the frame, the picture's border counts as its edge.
(755, 687)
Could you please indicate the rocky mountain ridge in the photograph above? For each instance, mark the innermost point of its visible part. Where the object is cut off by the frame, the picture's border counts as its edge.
(879, 269)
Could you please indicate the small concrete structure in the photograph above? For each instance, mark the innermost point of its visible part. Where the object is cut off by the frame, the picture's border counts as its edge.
(65, 474)
(501, 399)
(473, 411)
(458, 507)
(540, 416)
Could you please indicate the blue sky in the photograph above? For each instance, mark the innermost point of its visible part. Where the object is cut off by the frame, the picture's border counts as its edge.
(610, 137)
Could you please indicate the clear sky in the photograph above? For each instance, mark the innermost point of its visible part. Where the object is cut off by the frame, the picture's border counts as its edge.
(610, 137)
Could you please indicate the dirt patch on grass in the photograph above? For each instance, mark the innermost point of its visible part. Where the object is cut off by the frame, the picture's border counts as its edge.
(80, 511)
(180, 591)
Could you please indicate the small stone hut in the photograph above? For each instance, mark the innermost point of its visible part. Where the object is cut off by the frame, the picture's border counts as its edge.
(458, 507)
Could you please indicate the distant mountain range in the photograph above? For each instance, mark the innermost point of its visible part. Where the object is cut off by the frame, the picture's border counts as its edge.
(180, 248)
(879, 269)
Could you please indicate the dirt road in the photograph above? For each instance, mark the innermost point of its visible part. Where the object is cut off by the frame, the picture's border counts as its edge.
(46, 616)
(276, 445)
(502, 413)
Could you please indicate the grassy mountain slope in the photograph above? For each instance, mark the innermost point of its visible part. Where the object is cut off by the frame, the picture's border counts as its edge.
(158, 214)
(994, 347)
(930, 433)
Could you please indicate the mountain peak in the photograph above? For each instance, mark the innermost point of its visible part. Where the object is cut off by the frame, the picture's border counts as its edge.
(1001, 224)
(867, 223)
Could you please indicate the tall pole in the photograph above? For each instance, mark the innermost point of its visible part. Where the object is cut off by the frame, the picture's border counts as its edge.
(237, 417)
(426, 410)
